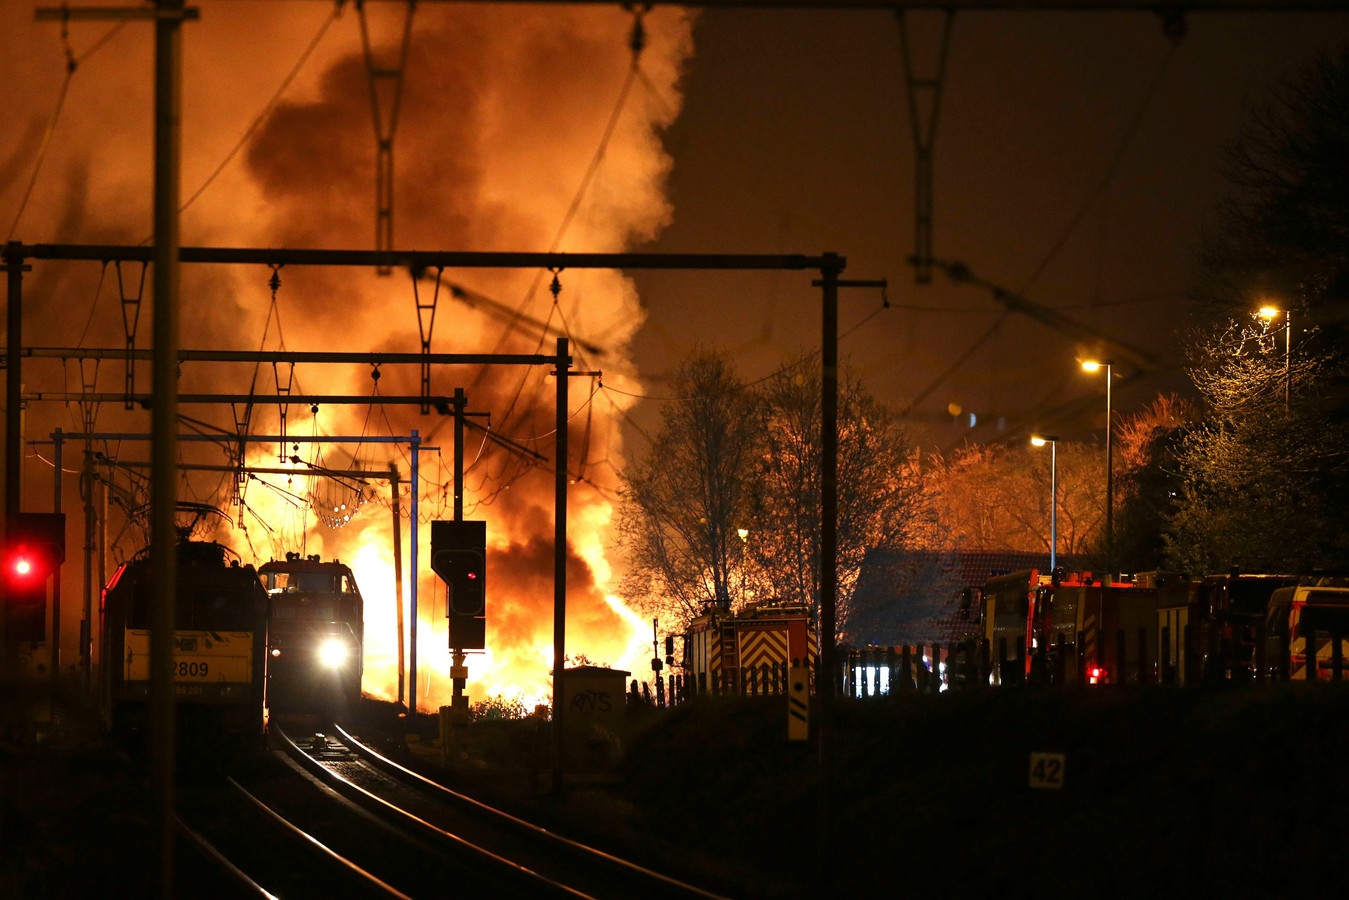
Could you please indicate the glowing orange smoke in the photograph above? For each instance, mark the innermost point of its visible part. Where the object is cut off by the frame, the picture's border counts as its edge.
(502, 111)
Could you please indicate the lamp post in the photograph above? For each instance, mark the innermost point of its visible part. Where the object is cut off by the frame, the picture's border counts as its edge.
(1053, 443)
(1269, 314)
(1093, 365)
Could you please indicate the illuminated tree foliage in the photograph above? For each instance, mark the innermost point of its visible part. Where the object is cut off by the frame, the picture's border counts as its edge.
(724, 509)
(685, 502)
(993, 497)
(1265, 480)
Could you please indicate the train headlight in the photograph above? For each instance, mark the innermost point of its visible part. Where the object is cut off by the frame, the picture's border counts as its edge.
(332, 653)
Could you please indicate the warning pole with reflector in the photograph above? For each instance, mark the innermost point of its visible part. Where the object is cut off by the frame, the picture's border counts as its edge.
(798, 703)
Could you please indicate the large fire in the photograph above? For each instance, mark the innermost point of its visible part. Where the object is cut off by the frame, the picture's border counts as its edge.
(501, 115)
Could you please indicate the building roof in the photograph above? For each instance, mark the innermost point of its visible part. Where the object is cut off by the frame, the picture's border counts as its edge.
(913, 596)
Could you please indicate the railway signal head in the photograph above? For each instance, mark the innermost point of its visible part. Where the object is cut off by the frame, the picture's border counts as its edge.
(459, 557)
(34, 548)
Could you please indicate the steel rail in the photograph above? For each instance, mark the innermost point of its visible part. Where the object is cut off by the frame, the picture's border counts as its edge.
(239, 875)
(529, 827)
(316, 844)
(317, 768)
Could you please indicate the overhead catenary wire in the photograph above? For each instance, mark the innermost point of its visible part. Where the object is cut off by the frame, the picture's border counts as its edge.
(1067, 232)
(1108, 175)
(636, 42)
(266, 110)
(72, 63)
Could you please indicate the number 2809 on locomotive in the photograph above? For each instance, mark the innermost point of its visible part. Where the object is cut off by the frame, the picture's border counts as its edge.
(315, 636)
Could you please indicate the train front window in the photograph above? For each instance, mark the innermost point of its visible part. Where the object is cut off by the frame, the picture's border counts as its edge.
(315, 582)
(300, 582)
(220, 611)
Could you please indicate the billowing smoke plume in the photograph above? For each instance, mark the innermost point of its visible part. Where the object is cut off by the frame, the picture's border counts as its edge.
(501, 114)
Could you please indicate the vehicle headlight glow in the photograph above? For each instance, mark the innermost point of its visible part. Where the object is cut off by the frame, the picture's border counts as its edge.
(332, 653)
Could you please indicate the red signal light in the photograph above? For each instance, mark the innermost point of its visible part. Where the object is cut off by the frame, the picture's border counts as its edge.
(23, 566)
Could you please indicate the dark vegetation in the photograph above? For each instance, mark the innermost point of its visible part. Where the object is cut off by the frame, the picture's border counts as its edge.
(1165, 793)
(1214, 792)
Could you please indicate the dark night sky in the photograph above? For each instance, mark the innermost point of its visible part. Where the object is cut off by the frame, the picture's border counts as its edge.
(795, 138)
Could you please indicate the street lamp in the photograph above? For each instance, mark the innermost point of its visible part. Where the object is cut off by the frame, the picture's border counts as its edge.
(1269, 314)
(1053, 443)
(1093, 365)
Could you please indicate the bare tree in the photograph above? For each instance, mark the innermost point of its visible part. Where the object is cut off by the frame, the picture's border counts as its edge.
(724, 510)
(879, 492)
(686, 501)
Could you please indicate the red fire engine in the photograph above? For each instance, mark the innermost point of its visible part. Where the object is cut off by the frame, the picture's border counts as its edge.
(721, 644)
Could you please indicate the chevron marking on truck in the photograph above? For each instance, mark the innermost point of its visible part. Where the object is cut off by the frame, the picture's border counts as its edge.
(759, 646)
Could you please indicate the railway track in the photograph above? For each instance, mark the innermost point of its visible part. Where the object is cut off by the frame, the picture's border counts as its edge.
(325, 813)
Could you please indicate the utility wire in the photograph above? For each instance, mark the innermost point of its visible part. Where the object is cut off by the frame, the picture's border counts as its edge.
(72, 63)
(1109, 173)
(266, 110)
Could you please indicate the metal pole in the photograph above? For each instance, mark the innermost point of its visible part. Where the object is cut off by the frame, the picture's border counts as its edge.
(412, 577)
(1287, 356)
(1109, 477)
(14, 380)
(562, 373)
(398, 575)
(86, 624)
(13, 448)
(458, 658)
(828, 554)
(829, 478)
(164, 420)
(459, 401)
(57, 454)
(102, 559)
(1053, 505)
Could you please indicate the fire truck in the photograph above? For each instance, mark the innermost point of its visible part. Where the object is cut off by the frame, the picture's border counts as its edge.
(1212, 625)
(1099, 629)
(721, 644)
(1003, 615)
(1307, 618)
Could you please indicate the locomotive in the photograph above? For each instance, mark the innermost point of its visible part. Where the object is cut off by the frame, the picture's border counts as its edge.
(315, 636)
(219, 645)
